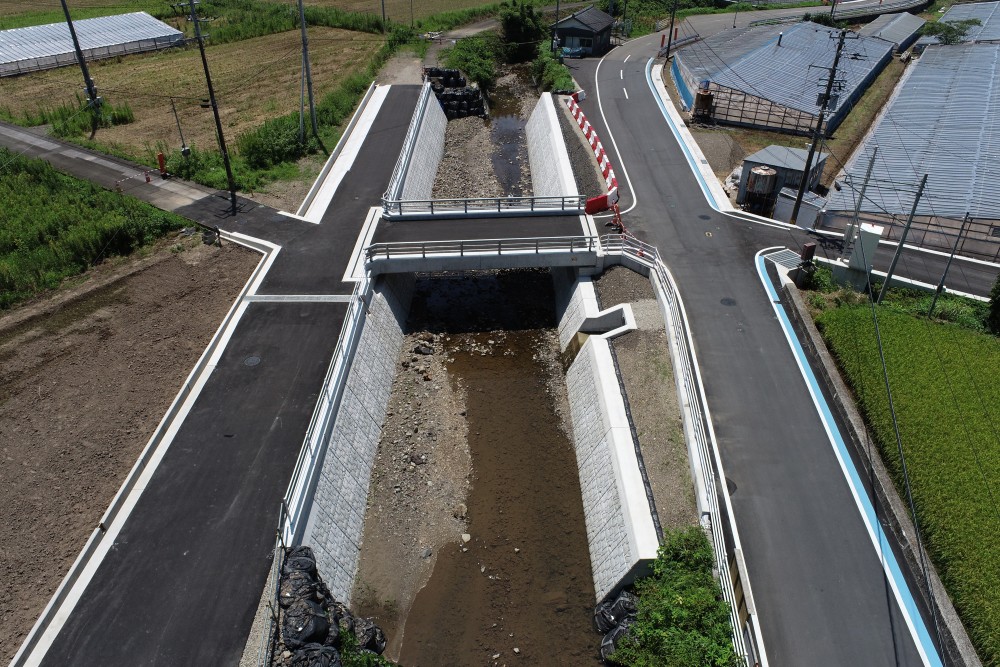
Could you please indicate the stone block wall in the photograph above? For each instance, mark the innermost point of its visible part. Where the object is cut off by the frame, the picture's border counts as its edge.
(427, 151)
(336, 518)
(551, 173)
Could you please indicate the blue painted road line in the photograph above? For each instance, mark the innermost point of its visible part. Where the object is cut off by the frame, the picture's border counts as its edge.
(908, 606)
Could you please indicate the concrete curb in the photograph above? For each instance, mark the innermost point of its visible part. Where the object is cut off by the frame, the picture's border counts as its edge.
(73, 585)
(958, 647)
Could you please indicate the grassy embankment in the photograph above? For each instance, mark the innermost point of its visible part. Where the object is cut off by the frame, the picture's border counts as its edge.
(53, 226)
(945, 394)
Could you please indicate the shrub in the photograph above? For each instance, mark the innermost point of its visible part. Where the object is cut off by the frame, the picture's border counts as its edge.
(477, 57)
(274, 142)
(682, 620)
(993, 318)
(522, 29)
(549, 73)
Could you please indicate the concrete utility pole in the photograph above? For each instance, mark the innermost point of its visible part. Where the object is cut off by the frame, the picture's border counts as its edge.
(852, 228)
(92, 98)
(308, 70)
(940, 286)
(899, 248)
(819, 127)
(215, 108)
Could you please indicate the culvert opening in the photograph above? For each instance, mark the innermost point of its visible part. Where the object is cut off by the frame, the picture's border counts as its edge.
(474, 541)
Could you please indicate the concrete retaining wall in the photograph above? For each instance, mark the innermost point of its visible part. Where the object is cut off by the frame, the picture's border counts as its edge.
(551, 174)
(336, 518)
(620, 529)
(427, 151)
(621, 532)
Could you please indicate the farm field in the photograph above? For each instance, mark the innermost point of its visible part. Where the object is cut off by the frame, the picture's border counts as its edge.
(945, 395)
(249, 88)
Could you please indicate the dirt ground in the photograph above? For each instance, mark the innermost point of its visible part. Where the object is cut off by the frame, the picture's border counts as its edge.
(648, 375)
(84, 380)
(266, 86)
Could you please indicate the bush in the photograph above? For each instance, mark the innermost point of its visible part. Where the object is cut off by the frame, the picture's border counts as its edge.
(522, 29)
(993, 318)
(682, 620)
(274, 142)
(549, 72)
(478, 57)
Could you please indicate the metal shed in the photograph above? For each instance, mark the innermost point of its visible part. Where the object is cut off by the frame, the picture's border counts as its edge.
(789, 163)
(767, 76)
(41, 47)
(901, 30)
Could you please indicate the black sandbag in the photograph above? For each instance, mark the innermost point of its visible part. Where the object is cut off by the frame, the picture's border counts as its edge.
(340, 615)
(614, 640)
(316, 655)
(608, 614)
(304, 623)
(297, 585)
(369, 635)
(300, 558)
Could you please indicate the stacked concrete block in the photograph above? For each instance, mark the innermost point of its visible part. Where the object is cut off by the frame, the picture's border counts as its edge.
(551, 173)
(620, 529)
(336, 518)
(425, 152)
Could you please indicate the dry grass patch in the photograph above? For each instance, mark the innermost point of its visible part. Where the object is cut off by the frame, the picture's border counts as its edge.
(400, 10)
(254, 80)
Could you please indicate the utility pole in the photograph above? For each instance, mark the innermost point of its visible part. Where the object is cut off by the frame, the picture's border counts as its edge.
(308, 70)
(670, 37)
(215, 108)
(899, 248)
(819, 127)
(852, 228)
(555, 30)
(383, 16)
(940, 286)
(92, 99)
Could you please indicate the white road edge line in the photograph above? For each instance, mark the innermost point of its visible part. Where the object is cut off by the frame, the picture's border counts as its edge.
(626, 96)
(627, 57)
(89, 560)
(884, 550)
(600, 107)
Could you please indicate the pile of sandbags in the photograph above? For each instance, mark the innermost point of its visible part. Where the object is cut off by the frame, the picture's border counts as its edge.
(613, 618)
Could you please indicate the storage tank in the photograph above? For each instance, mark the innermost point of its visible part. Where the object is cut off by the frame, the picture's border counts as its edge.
(760, 190)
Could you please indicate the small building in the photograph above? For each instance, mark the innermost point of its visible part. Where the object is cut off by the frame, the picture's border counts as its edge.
(787, 165)
(901, 30)
(588, 29)
(810, 210)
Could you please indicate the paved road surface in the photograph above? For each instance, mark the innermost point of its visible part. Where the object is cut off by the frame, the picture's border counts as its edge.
(819, 585)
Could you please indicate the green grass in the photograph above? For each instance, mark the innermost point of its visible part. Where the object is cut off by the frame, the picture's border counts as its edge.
(945, 392)
(53, 226)
(682, 619)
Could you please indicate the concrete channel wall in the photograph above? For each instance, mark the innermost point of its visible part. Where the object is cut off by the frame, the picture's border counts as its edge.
(551, 174)
(336, 517)
(425, 152)
(621, 532)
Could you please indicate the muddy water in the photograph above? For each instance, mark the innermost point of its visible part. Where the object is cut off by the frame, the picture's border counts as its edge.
(508, 138)
(524, 579)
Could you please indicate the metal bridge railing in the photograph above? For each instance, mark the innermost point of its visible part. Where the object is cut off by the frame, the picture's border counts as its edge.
(462, 248)
(403, 161)
(482, 205)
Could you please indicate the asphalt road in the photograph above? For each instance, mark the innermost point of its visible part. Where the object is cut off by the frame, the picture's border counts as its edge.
(820, 589)
(181, 584)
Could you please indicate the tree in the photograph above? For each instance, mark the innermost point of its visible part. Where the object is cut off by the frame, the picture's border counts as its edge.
(993, 318)
(950, 32)
(522, 28)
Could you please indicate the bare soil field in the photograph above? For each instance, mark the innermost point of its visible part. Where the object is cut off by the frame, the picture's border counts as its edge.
(84, 380)
(254, 79)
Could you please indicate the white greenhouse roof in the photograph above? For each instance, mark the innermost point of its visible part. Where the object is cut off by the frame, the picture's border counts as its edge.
(44, 46)
(944, 121)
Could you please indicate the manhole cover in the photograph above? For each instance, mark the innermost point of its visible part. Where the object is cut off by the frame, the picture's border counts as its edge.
(728, 302)
(251, 361)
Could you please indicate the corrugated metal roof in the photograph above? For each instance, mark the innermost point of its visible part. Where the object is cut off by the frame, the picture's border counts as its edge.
(785, 157)
(988, 14)
(752, 61)
(943, 121)
(895, 28)
(47, 41)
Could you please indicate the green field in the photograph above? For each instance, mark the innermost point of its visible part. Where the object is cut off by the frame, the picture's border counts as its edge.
(53, 226)
(947, 399)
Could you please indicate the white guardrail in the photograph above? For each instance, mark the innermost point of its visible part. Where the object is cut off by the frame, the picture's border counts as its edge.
(293, 507)
(403, 161)
(508, 206)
